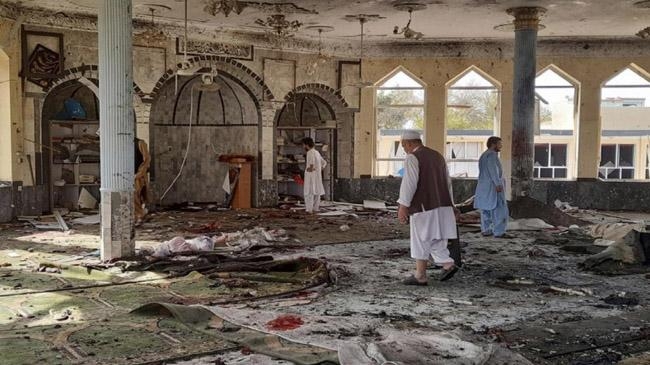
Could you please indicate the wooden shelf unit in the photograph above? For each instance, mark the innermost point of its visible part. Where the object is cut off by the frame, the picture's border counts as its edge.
(290, 157)
(74, 147)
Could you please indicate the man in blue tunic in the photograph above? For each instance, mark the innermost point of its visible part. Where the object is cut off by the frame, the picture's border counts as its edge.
(490, 196)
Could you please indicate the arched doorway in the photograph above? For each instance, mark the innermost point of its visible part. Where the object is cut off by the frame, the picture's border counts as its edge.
(304, 115)
(76, 138)
(70, 158)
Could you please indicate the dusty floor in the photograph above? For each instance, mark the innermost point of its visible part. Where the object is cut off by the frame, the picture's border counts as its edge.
(303, 228)
(527, 294)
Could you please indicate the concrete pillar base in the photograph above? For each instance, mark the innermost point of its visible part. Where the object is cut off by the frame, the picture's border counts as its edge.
(118, 229)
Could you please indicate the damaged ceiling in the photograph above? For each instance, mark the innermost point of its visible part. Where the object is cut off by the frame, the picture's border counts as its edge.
(440, 20)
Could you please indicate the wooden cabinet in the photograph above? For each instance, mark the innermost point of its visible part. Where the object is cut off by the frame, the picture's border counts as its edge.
(290, 158)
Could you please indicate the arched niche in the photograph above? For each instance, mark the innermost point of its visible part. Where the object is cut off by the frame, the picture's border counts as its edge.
(214, 122)
(51, 113)
(305, 110)
(80, 83)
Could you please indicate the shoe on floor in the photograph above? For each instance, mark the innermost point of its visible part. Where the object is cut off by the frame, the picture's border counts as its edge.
(448, 273)
(486, 234)
(504, 236)
(412, 280)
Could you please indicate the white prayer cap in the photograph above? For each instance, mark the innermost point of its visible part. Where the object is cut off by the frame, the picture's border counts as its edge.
(410, 134)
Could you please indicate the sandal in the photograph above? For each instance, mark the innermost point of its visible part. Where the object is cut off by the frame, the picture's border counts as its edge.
(412, 280)
(448, 273)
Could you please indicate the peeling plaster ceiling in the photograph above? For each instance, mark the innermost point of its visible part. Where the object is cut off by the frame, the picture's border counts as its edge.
(441, 20)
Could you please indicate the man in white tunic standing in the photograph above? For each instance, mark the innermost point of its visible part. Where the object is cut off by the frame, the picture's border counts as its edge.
(425, 196)
(313, 181)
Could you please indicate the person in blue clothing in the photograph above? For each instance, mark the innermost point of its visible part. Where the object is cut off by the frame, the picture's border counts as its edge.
(490, 196)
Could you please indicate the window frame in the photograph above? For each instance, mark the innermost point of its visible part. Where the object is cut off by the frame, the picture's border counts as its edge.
(495, 86)
(478, 138)
(537, 171)
(617, 163)
(450, 161)
(377, 108)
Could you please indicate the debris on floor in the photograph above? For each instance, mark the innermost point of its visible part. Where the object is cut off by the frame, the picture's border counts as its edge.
(373, 204)
(623, 244)
(87, 220)
(179, 245)
(565, 207)
(527, 207)
(528, 224)
(280, 287)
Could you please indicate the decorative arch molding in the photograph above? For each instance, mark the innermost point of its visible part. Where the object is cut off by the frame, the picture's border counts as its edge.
(334, 98)
(565, 75)
(250, 79)
(479, 71)
(90, 72)
(88, 75)
(403, 69)
(344, 124)
(632, 66)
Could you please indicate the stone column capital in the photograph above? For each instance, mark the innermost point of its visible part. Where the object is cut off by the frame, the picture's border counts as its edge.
(526, 18)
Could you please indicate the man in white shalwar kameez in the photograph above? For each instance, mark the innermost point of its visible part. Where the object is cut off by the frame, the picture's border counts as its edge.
(313, 182)
(425, 196)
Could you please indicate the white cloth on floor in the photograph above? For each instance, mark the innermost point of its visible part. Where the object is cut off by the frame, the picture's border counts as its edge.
(314, 179)
(430, 231)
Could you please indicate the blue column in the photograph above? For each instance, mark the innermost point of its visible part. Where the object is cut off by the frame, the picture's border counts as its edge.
(523, 106)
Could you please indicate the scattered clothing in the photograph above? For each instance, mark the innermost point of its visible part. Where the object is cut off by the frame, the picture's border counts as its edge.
(180, 245)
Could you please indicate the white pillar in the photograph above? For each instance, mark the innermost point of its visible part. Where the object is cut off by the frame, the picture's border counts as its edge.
(117, 128)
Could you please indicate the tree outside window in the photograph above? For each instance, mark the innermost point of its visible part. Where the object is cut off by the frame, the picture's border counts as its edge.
(472, 115)
(399, 106)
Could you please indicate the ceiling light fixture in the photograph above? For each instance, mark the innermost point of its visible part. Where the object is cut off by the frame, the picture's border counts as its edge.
(320, 58)
(279, 25)
(151, 33)
(214, 7)
(407, 31)
(185, 68)
(362, 19)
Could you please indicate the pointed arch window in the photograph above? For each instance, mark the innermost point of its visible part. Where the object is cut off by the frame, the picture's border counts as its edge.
(555, 119)
(472, 115)
(625, 131)
(399, 100)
